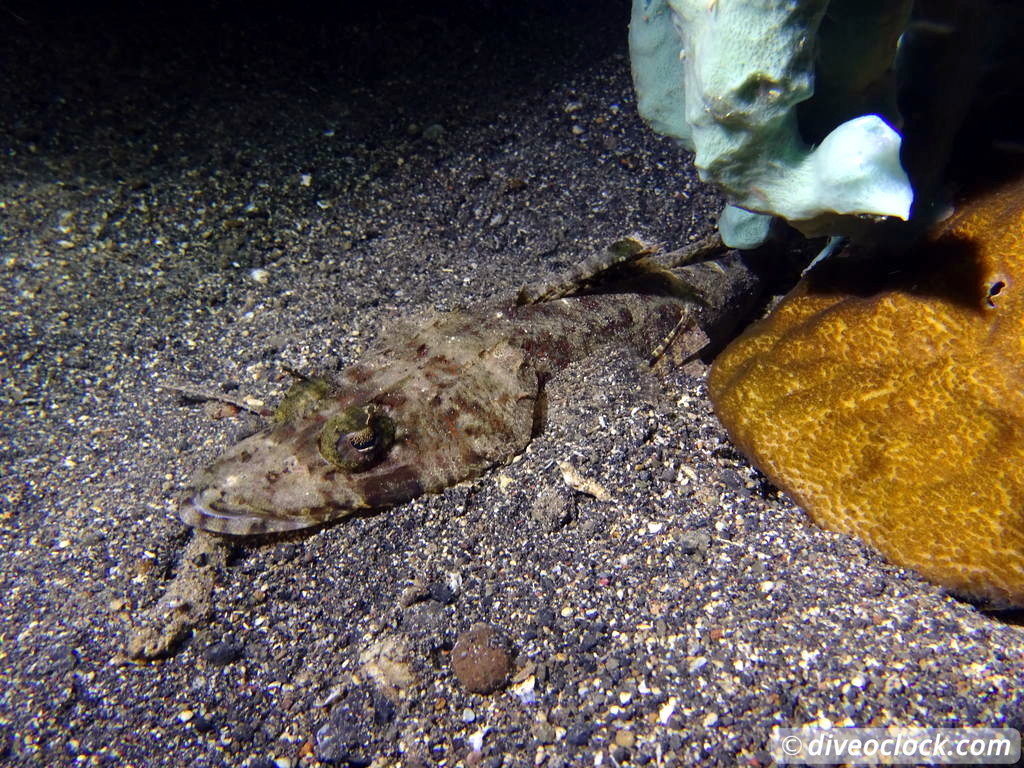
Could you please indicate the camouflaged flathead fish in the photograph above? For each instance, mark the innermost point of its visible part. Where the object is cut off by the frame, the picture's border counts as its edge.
(442, 397)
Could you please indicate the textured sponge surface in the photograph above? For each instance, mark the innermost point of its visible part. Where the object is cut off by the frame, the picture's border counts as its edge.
(889, 402)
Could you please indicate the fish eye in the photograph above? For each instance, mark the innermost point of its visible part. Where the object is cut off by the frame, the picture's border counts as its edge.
(301, 399)
(357, 438)
(365, 440)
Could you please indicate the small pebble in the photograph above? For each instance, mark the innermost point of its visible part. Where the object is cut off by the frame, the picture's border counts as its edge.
(624, 738)
(222, 653)
(412, 594)
(442, 593)
(693, 543)
(433, 132)
(202, 723)
(243, 733)
(544, 733)
(545, 617)
(481, 660)
(579, 734)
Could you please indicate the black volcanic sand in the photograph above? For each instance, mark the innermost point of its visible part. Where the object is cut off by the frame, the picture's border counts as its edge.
(204, 198)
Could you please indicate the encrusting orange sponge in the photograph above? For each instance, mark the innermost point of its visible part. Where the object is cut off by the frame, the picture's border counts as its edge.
(887, 399)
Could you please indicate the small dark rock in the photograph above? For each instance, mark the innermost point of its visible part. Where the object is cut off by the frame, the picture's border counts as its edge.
(61, 660)
(442, 593)
(346, 737)
(202, 723)
(383, 709)
(481, 659)
(427, 618)
(545, 618)
(694, 542)
(288, 552)
(223, 653)
(243, 733)
(579, 735)
(732, 480)
(553, 509)
(433, 132)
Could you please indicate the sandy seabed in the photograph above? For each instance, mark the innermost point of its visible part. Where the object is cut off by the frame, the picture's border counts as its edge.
(202, 199)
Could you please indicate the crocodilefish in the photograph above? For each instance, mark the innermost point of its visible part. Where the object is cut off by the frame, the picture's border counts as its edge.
(441, 397)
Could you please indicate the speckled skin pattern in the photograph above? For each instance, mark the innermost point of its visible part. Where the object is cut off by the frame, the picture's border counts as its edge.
(891, 406)
(463, 390)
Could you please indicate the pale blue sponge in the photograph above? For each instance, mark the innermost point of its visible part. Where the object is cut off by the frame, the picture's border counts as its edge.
(743, 82)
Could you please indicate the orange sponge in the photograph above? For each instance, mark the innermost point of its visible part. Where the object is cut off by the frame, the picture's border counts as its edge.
(888, 400)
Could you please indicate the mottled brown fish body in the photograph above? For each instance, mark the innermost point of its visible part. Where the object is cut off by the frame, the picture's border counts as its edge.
(461, 390)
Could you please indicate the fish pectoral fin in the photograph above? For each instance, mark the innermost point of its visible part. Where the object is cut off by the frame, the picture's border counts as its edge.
(684, 342)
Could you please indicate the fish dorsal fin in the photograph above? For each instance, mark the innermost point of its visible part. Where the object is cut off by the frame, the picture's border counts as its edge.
(625, 250)
(627, 260)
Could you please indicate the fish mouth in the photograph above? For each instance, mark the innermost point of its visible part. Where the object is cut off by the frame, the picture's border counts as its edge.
(211, 504)
(200, 511)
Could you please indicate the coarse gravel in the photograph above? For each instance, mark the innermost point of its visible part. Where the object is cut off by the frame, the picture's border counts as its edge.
(198, 199)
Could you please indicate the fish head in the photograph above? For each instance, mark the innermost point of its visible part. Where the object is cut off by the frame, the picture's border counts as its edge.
(325, 455)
